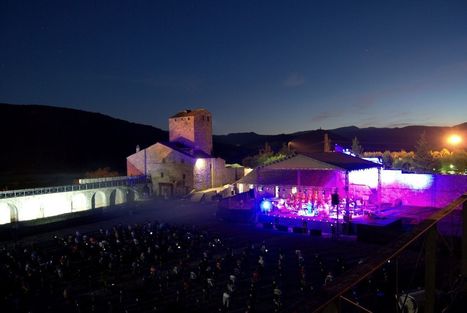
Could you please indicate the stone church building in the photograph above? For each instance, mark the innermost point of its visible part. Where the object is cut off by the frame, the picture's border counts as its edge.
(184, 163)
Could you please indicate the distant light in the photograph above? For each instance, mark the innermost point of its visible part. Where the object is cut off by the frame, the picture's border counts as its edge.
(265, 205)
(454, 139)
(451, 166)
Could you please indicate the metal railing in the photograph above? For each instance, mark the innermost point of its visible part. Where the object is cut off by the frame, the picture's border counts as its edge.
(394, 249)
(125, 181)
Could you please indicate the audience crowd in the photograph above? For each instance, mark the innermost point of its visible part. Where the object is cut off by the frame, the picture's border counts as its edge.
(156, 267)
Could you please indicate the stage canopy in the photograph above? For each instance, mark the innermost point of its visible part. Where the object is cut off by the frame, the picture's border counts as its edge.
(343, 161)
(317, 169)
(300, 162)
(322, 178)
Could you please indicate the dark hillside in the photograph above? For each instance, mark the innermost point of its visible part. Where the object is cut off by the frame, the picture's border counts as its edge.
(45, 145)
(41, 140)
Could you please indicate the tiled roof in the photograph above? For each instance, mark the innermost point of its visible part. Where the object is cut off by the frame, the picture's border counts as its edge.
(194, 153)
(262, 176)
(300, 162)
(344, 161)
(317, 169)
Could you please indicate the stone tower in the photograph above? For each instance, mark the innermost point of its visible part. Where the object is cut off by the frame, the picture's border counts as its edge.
(192, 128)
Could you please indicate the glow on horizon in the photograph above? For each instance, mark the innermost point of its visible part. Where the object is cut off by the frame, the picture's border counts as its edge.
(454, 139)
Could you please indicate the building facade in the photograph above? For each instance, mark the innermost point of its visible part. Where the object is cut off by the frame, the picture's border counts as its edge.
(185, 162)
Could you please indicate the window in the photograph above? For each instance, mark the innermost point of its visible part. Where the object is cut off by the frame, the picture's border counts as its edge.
(184, 176)
(207, 118)
(163, 160)
(182, 161)
(162, 174)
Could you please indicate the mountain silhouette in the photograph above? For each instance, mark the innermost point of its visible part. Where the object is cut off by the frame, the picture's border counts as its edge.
(44, 145)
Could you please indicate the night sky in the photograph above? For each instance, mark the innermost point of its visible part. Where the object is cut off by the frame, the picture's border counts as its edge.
(263, 66)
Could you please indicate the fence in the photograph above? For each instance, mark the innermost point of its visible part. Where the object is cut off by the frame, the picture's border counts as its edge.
(121, 181)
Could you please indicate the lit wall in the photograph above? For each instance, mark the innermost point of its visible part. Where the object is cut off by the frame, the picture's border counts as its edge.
(165, 166)
(368, 177)
(117, 196)
(202, 174)
(99, 200)
(412, 189)
(79, 202)
(26, 208)
(55, 204)
(5, 213)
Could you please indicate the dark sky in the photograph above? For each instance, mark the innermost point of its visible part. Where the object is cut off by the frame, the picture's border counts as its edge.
(264, 66)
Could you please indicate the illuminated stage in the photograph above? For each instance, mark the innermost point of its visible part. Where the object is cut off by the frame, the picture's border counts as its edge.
(381, 226)
(363, 228)
(333, 193)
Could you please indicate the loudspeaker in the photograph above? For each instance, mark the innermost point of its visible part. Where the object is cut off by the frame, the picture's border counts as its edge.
(299, 230)
(315, 232)
(282, 228)
(334, 199)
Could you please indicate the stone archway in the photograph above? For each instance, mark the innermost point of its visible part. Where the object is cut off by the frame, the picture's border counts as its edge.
(130, 195)
(117, 196)
(98, 200)
(8, 213)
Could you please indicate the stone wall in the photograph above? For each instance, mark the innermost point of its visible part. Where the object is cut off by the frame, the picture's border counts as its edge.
(170, 167)
(171, 171)
(203, 131)
(220, 172)
(181, 129)
(175, 173)
(209, 173)
(193, 130)
(36, 206)
(135, 163)
(202, 174)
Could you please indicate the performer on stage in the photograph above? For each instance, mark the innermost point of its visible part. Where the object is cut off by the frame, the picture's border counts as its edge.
(335, 202)
(309, 208)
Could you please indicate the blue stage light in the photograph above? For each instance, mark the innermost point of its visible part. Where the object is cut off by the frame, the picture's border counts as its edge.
(265, 205)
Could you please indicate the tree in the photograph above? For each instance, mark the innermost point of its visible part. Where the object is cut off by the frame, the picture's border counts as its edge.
(285, 150)
(423, 160)
(266, 156)
(356, 147)
(459, 160)
(266, 150)
(387, 159)
(101, 172)
(403, 160)
(327, 143)
(250, 161)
